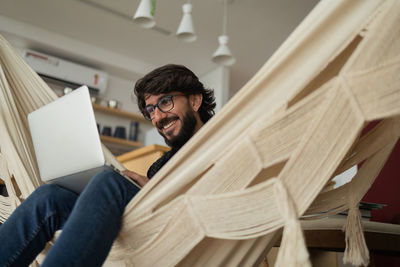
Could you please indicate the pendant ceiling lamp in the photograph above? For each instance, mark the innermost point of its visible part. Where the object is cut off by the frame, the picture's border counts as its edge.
(144, 15)
(223, 55)
(185, 30)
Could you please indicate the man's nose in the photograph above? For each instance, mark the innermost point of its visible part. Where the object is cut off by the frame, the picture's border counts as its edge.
(158, 116)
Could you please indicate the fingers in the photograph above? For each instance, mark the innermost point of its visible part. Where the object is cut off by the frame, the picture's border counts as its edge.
(141, 180)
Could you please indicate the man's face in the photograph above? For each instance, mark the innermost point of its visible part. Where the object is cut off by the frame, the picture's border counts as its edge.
(177, 125)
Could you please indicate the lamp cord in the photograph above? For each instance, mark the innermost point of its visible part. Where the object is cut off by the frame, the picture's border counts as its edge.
(225, 18)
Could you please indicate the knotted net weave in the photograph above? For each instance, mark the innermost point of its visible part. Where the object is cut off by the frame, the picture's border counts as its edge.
(260, 163)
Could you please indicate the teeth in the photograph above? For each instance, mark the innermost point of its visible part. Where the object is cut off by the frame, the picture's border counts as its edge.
(169, 125)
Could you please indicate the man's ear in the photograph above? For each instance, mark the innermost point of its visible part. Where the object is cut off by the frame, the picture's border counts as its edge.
(195, 101)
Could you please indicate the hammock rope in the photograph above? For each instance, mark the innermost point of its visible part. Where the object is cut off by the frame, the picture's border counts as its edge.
(263, 161)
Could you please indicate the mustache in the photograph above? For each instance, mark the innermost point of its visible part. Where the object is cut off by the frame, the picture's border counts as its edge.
(165, 121)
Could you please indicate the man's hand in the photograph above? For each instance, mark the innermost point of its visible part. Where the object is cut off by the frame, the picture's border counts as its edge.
(141, 180)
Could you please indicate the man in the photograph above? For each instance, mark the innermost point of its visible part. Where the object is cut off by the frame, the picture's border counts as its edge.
(178, 105)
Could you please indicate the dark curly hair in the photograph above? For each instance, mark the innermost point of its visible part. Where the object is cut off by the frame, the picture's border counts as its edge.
(173, 77)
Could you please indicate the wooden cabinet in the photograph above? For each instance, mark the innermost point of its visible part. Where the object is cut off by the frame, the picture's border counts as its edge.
(141, 159)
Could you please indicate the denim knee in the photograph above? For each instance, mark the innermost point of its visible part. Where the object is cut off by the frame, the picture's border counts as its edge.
(34, 223)
(105, 178)
(111, 185)
(49, 193)
(50, 198)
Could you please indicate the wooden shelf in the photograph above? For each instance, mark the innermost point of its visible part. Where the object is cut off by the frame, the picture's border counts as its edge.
(119, 113)
(119, 141)
(119, 146)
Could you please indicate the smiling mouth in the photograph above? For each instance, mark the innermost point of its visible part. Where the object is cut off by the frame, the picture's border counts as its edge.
(167, 124)
(165, 127)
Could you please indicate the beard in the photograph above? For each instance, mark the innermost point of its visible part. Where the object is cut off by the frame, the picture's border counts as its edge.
(187, 130)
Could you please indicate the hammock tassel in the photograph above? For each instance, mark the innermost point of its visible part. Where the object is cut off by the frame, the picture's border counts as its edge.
(356, 251)
(293, 250)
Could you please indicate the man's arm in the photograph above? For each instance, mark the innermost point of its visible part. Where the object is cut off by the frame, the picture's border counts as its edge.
(154, 168)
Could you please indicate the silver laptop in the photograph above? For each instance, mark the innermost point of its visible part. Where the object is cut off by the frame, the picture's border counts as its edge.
(66, 141)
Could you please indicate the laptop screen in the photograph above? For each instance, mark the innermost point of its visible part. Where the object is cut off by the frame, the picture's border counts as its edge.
(65, 136)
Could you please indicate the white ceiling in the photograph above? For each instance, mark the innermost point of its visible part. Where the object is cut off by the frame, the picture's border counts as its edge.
(256, 28)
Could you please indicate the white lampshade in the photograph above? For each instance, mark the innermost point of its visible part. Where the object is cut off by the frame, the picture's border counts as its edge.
(223, 56)
(143, 15)
(185, 30)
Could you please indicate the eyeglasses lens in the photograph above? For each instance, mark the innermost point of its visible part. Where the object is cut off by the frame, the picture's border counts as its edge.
(165, 104)
(148, 111)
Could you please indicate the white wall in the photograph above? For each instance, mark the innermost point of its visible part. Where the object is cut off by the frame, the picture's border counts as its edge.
(345, 177)
(218, 80)
(25, 36)
(121, 89)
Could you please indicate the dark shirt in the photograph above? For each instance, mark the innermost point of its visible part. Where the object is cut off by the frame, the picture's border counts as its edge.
(156, 166)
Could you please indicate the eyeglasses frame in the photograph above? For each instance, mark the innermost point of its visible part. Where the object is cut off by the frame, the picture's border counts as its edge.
(158, 102)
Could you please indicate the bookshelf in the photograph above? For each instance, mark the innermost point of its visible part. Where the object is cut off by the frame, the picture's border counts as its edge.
(120, 113)
(119, 146)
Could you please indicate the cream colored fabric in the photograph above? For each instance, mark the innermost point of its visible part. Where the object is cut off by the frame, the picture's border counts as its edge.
(303, 120)
(262, 161)
(22, 91)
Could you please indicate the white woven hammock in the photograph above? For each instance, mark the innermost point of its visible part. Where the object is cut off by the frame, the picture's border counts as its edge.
(264, 159)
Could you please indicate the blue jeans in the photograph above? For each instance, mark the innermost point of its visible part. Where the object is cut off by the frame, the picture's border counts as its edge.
(90, 223)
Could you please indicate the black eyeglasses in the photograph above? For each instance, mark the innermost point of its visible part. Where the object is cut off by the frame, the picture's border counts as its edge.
(164, 104)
